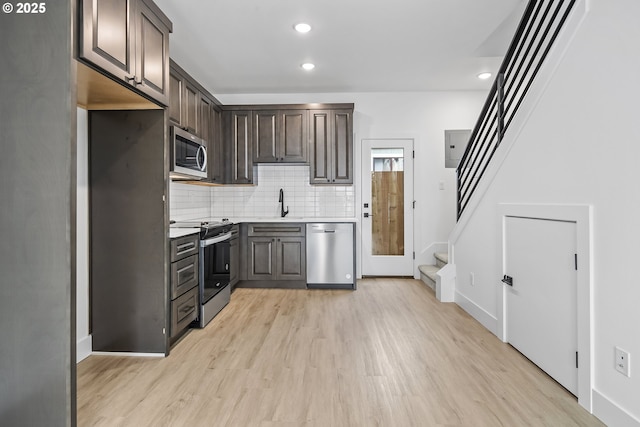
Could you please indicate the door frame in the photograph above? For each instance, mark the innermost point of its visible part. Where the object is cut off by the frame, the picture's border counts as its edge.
(359, 200)
(582, 216)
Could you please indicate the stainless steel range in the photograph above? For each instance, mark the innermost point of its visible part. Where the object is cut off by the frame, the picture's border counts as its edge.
(214, 266)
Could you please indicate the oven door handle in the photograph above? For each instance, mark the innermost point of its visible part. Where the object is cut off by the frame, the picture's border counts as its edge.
(214, 240)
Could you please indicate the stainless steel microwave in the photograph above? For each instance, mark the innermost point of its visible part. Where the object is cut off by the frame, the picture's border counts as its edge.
(188, 155)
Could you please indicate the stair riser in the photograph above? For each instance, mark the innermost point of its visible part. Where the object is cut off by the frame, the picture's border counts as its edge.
(428, 281)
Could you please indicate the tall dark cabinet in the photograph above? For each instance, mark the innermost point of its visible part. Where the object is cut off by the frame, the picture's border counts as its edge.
(128, 229)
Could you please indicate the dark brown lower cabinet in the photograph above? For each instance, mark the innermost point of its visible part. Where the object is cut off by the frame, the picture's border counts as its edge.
(275, 255)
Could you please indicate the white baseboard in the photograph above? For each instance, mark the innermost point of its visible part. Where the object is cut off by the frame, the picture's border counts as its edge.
(610, 413)
(127, 354)
(485, 318)
(83, 348)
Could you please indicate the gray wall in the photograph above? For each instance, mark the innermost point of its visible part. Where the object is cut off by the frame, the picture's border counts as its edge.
(37, 178)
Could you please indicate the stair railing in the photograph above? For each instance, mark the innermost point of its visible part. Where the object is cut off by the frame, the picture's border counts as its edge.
(536, 33)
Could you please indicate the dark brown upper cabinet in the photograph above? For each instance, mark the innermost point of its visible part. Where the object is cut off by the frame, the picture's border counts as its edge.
(191, 109)
(237, 136)
(129, 40)
(205, 117)
(265, 136)
(280, 136)
(176, 90)
(215, 167)
(294, 138)
(194, 109)
(210, 131)
(184, 103)
(331, 146)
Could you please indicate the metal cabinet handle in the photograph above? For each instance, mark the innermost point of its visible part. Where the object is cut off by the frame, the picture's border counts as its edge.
(187, 309)
(185, 247)
(202, 150)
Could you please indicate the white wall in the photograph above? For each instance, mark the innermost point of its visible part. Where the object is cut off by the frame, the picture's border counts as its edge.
(83, 339)
(422, 116)
(580, 144)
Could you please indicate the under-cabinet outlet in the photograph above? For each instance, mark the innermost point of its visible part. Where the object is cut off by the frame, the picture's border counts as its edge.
(622, 362)
(472, 279)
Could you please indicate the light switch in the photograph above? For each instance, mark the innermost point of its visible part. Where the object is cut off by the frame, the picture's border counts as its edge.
(441, 185)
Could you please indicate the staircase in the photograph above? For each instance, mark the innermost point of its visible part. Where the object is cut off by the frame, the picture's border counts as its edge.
(428, 272)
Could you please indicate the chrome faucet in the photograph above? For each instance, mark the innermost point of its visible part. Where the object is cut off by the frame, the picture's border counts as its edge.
(283, 213)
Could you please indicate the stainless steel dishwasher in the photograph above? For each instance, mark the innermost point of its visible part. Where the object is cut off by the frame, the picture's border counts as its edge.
(330, 255)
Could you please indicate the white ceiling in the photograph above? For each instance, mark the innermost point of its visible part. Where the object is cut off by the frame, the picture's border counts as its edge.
(249, 46)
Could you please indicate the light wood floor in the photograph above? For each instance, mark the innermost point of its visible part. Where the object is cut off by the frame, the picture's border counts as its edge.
(388, 354)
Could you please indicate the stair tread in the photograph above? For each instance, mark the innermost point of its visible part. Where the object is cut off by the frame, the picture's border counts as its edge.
(442, 256)
(429, 271)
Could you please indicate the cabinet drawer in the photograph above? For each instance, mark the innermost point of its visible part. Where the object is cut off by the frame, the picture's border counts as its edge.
(184, 275)
(184, 310)
(183, 247)
(273, 229)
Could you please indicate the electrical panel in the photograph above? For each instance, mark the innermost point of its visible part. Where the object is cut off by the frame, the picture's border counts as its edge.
(455, 142)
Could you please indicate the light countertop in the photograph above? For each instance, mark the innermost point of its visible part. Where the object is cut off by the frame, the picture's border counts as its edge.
(291, 219)
(174, 233)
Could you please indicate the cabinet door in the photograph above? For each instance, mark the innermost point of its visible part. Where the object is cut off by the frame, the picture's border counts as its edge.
(176, 92)
(152, 55)
(265, 136)
(190, 108)
(107, 38)
(342, 147)
(261, 257)
(293, 138)
(215, 166)
(205, 119)
(291, 258)
(234, 271)
(320, 130)
(239, 137)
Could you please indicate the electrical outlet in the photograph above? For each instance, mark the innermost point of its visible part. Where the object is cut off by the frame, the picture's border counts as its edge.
(622, 362)
(472, 279)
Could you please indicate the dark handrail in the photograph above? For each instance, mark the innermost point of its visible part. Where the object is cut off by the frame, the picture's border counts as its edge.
(527, 51)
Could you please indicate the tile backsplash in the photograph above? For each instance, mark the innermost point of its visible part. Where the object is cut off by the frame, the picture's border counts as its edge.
(303, 199)
(188, 201)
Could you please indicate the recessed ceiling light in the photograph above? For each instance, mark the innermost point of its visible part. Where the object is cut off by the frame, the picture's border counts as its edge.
(308, 66)
(302, 27)
(484, 76)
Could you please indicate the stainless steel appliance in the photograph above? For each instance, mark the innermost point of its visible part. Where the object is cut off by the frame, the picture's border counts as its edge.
(330, 255)
(214, 267)
(188, 155)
